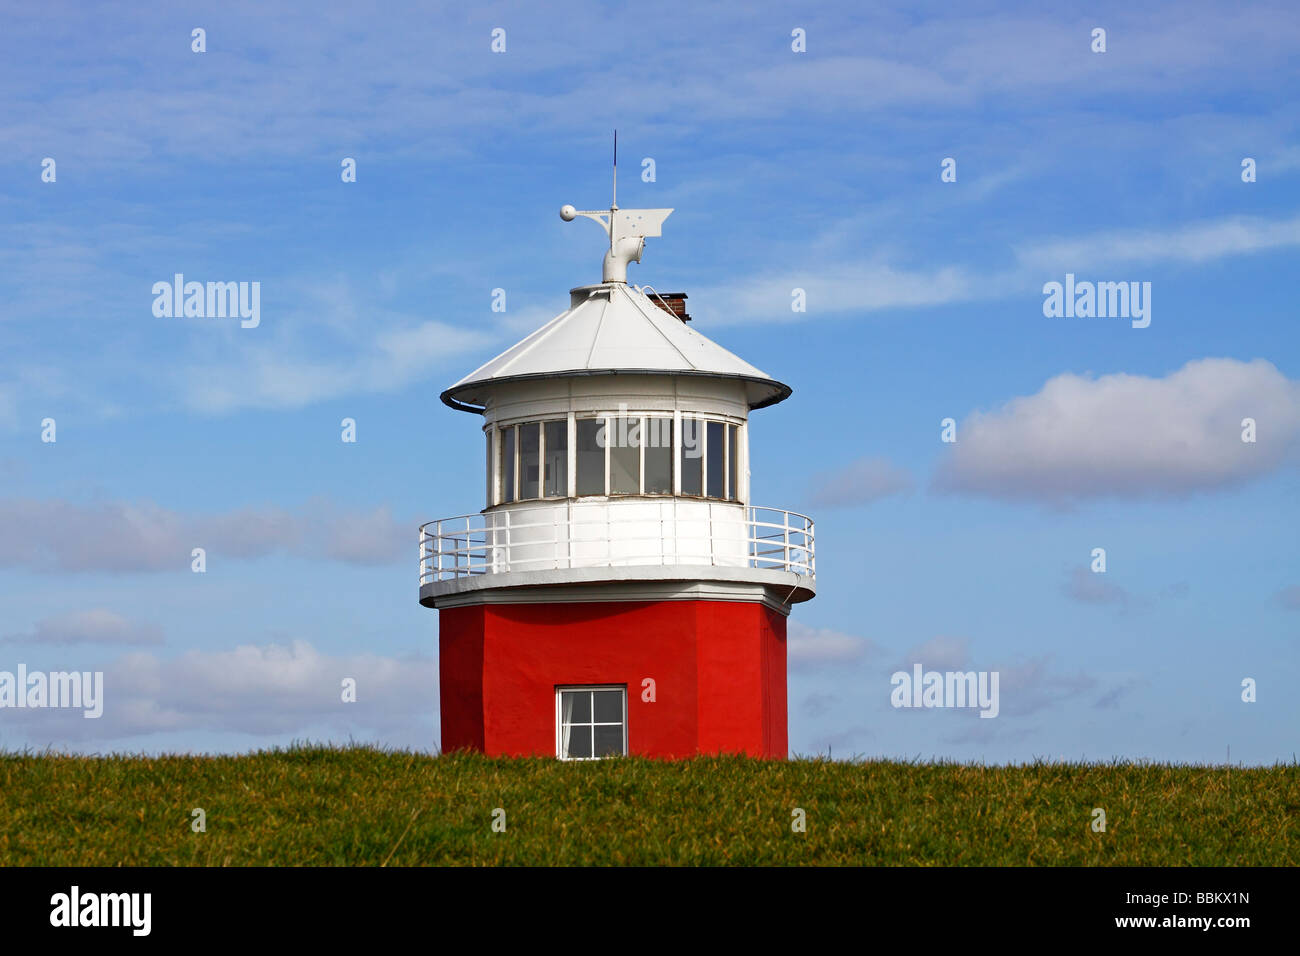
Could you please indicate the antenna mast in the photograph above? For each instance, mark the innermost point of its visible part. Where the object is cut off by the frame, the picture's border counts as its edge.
(627, 232)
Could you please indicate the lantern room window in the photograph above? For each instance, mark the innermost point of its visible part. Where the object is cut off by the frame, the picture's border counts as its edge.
(590, 722)
(623, 436)
(556, 480)
(591, 456)
(615, 455)
(658, 441)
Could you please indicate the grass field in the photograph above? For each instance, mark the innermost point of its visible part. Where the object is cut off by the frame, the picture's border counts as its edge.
(358, 806)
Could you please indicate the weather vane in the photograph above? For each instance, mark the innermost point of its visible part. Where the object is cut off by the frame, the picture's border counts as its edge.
(627, 229)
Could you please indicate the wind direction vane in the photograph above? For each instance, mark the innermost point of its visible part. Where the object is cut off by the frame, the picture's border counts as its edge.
(627, 229)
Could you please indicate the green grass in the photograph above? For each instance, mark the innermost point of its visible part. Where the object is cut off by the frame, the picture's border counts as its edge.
(364, 807)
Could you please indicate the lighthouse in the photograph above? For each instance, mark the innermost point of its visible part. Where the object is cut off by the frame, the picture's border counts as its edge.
(619, 592)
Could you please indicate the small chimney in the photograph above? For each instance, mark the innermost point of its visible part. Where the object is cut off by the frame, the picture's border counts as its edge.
(674, 303)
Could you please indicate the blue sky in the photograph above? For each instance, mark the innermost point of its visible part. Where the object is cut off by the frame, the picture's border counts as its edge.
(817, 170)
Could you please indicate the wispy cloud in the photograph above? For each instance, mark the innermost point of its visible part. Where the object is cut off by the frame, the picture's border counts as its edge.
(860, 287)
(1191, 243)
(809, 648)
(1088, 587)
(263, 690)
(54, 534)
(96, 626)
(859, 483)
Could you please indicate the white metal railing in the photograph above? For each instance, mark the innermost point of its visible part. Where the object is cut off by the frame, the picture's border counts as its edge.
(572, 534)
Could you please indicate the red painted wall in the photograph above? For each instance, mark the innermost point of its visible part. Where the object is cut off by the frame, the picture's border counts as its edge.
(718, 667)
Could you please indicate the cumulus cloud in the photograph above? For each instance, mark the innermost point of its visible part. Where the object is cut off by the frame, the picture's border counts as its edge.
(97, 626)
(808, 648)
(58, 535)
(1127, 435)
(262, 690)
(863, 481)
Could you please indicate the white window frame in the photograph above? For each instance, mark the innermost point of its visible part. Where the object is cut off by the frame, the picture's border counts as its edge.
(737, 468)
(560, 690)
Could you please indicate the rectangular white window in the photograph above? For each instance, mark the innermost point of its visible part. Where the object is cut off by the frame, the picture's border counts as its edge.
(658, 442)
(556, 437)
(530, 450)
(508, 464)
(733, 462)
(590, 722)
(624, 440)
(591, 456)
(692, 458)
(715, 461)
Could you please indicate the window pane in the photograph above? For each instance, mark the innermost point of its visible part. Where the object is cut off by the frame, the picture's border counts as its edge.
(733, 459)
(508, 464)
(529, 451)
(609, 741)
(557, 460)
(575, 705)
(579, 740)
(658, 441)
(716, 450)
(491, 491)
(624, 456)
(609, 706)
(591, 457)
(692, 462)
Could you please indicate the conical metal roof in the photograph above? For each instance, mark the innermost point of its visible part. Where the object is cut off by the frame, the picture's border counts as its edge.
(613, 329)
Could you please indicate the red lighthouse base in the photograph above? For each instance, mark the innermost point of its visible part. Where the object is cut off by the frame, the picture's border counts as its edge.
(717, 670)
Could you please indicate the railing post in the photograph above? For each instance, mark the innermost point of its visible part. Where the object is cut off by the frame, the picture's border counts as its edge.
(437, 545)
(786, 521)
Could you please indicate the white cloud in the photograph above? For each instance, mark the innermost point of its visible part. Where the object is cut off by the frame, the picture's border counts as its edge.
(261, 377)
(51, 535)
(1188, 243)
(807, 648)
(1127, 435)
(262, 690)
(97, 626)
(860, 483)
(851, 288)
(860, 287)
